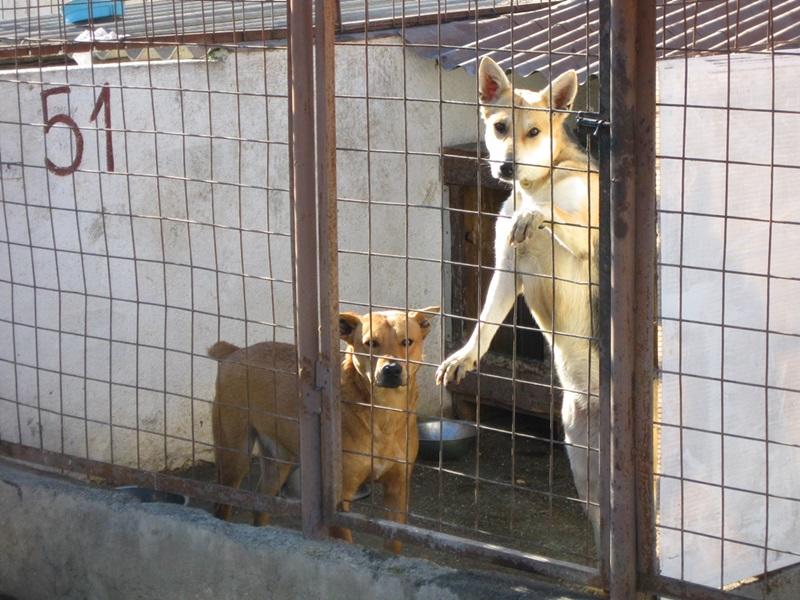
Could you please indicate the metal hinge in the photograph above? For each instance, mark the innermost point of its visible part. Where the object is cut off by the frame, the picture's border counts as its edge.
(590, 121)
(322, 375)
(312, 402)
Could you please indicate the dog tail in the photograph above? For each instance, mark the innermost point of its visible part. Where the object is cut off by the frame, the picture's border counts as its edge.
(221, 349)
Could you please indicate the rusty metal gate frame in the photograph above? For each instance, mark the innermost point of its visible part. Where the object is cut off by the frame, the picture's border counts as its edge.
(627, 292)
(631, 297)
(313, 196)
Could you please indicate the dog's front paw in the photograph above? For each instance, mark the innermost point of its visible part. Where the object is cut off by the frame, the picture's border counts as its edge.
(524, 224)
(455, 367)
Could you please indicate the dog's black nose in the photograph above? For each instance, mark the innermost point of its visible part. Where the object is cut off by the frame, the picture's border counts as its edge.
(507, 169)
(392, 369)
(390, 375)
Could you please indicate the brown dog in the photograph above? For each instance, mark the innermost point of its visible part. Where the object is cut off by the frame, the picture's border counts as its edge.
(257, 401)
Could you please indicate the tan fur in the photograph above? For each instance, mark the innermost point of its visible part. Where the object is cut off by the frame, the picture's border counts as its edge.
(257, 401)
(221, 350)
(545, 250)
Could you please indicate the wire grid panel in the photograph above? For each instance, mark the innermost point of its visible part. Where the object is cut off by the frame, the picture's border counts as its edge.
(146, 216)
(729, 225)
(417, 208)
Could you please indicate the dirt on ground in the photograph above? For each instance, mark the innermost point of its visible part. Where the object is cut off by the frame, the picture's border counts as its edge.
(510, 490)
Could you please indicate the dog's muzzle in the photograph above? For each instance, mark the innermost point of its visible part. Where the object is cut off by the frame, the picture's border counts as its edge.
(390, 376)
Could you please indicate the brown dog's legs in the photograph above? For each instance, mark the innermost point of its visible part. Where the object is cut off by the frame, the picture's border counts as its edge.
(342, 533)
(355, 470)
(232, 466)
(273, 476)
(395, 498)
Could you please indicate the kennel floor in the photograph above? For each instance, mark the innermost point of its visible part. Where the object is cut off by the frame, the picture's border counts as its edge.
(539, 513)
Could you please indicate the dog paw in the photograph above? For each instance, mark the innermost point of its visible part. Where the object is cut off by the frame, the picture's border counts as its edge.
(524, 224)
(455, 367)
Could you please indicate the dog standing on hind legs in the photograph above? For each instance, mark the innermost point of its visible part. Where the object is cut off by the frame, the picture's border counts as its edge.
(546, 246)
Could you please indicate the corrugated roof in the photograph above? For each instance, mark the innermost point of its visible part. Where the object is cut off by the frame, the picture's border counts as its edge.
(566, 35)
(208, 21)
(554, 35)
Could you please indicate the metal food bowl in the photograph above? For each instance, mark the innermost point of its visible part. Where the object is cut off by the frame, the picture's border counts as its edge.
(146, 495)
(455, 438)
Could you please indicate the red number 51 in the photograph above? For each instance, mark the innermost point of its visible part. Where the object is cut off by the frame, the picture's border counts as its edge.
(103, 101)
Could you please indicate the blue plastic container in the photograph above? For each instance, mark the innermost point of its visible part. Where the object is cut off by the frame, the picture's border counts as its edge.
(86, 11)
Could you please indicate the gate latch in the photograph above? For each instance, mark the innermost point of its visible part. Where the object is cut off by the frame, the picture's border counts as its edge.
(590, 121)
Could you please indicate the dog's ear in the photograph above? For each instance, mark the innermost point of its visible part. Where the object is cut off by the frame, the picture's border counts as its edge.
(492, 82)
(423, 317)
(564, 88)
(348, 323)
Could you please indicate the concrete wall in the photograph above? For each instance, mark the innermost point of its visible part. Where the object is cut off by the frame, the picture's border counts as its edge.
(743, 433)
(25, 9)
(63, 540)
(133, 274)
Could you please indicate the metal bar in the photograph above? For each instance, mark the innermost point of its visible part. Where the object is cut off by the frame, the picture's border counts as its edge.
(678, 588)
(201, 39)
(622, 553)
(121, 475)
(604, 297)
(452, 544)
(327, 12)
(768, 529)
(645, 367)
(338, 15)
(303, 195)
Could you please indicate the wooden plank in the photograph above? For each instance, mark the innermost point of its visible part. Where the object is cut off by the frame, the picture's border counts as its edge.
(532, 382)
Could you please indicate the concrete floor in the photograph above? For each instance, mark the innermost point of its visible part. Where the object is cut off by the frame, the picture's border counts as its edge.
(66, 539)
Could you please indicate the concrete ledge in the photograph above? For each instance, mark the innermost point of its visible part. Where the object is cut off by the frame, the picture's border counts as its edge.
(61, 539)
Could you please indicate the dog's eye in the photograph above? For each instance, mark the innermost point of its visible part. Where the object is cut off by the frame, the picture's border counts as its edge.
(500, 127)
(406, 342)
(533, 132)
(371, 343)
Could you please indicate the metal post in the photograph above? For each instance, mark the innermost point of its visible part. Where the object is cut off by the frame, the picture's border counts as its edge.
(337, 15)
(327, 11)
(645, 275)
(604, 299)
(304, 170)
(632, 122)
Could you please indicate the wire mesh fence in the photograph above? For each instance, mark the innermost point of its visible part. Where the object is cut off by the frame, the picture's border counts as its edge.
(726, 474)
(147, 176)
(399, 120)
(222, 261)
(147, 216)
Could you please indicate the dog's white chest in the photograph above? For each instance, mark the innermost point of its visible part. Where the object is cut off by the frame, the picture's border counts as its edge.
(379, 468)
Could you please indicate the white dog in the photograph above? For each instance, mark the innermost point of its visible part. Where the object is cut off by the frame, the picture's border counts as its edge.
(545, 248)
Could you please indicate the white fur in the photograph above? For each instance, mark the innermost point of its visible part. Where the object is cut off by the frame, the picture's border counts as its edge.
(526, 251)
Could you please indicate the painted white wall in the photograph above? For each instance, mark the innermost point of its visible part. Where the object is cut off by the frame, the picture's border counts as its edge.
(183, 187)
(26, 9)
(769, 419)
